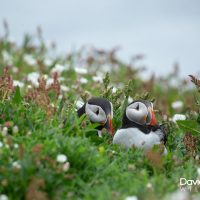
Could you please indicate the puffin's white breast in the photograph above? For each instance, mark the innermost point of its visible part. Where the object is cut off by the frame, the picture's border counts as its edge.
(133, 136)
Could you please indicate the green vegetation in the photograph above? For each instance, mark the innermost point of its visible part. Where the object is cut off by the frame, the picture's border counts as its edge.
(47, 152)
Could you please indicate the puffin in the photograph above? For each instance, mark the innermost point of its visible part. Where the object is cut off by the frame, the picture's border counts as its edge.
(100, 111)
(139, 127)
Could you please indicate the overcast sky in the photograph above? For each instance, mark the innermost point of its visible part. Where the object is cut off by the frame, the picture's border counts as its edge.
(164, 30)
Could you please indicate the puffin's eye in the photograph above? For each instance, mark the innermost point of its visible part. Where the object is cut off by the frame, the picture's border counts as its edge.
(137, 107)
(97, 111)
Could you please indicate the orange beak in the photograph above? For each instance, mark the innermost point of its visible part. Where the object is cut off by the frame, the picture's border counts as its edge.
(153, 120)
(111, 129)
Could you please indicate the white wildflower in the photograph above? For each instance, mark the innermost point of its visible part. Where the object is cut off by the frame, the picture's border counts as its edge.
(80, 70)
(45, 76)
(4, 131)
(79, 104)
(64, 88)
(114, 90)
(131, 198)
(149, 185)
(53, 105)
(197, 158)
(60, 96)
(165, 117)
(30, 60)
(15, 70)
(97, 79)
(48, 62)
(130, 99)
(66, 166)
(16, 165)
(3, 197)
(16, 146)
(58, 68)
(18, 83)
(29, 132)
(33, 78)
(177, 117)
(15, 129)
(61, 158)
(49, 81)
(177, 105)
(29, 86)
(83, 80)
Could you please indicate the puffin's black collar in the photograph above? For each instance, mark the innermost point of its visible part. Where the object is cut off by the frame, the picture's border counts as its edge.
(143, 128)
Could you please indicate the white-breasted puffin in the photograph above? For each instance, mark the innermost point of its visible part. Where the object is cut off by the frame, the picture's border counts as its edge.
(99, 110)
(139, 127)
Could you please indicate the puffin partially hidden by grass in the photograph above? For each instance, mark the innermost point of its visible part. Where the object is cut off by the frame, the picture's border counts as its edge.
(139, 127)
(99, 110)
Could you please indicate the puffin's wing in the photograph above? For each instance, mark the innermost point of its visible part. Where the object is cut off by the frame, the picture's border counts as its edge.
(161, 131)
(164, 133)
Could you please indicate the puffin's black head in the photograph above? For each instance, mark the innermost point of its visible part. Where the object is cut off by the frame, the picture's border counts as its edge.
(139, 113)
(99, 110)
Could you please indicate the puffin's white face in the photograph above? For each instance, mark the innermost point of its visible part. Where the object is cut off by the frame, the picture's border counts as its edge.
(139, 113)
(95, 113)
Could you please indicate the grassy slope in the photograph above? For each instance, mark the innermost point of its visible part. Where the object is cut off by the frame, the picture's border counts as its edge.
(98, 169)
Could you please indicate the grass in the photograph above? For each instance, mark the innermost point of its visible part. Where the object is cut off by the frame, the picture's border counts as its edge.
(39, 123)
